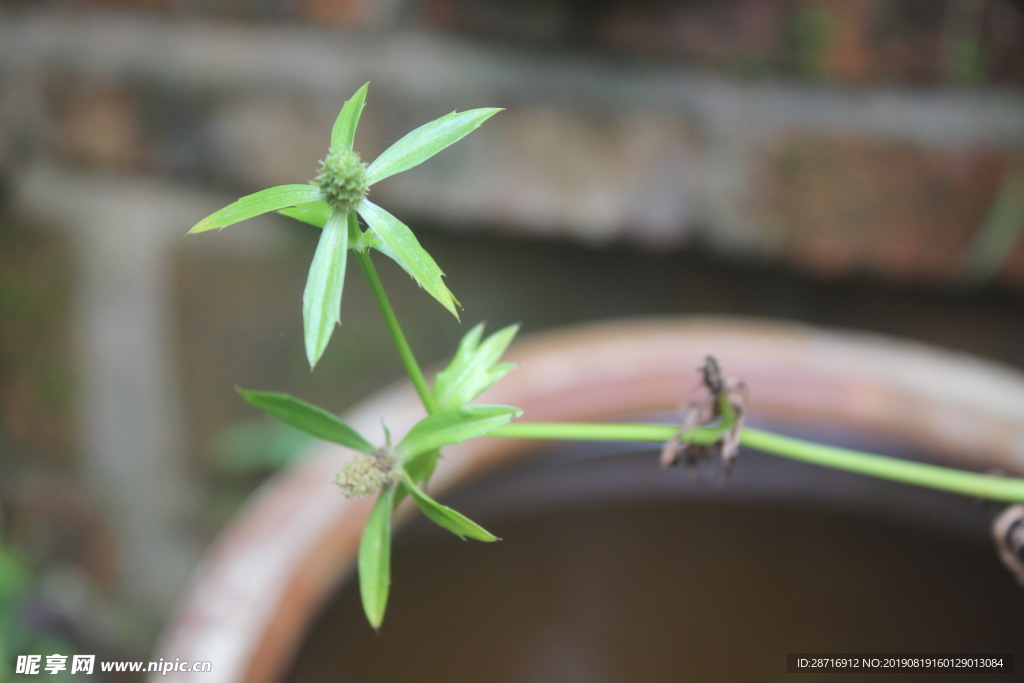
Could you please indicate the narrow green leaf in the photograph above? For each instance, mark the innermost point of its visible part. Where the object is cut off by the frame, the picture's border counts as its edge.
(495, 345)
(473, 368)
(307, 418)
(445, 517)
(469, 343)
(321, 301)
(344, 132)
(419, 145)
(453, 426)
(397, 242)
(375, 558)
(313, 213)
(264, 201)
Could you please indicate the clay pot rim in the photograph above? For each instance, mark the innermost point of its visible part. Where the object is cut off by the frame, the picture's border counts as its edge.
(261, 582)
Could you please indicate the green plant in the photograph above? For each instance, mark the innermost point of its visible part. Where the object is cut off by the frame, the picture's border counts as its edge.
(23, 615)
(335, 202)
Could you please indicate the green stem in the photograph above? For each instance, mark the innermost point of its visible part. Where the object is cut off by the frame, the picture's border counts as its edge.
(987, 486)
(594, 431)
(1005, 489)
(412, 368)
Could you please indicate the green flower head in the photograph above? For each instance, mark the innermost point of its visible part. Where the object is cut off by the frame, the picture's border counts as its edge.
(342, 179)
(337, 200)
(367, 473)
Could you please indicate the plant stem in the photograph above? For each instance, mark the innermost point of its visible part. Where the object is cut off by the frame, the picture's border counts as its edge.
(597, 431)
(412, 368)
(1005, 489)
(987, 486)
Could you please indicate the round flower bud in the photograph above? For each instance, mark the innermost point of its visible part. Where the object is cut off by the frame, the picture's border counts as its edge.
(365, 474)
(342, 179)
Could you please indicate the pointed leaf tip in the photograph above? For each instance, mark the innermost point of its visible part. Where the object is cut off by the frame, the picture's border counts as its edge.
(344, 131)
(375, 559)
(424, 142)
(396, 241)
(447, 518)
(264, 201)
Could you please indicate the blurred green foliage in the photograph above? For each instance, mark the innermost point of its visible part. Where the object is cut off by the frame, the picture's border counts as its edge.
(18, 634)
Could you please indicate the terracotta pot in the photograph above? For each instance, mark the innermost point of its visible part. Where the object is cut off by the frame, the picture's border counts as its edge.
(269, 574)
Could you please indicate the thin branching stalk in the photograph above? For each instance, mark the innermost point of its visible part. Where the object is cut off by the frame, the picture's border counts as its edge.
(412, 367)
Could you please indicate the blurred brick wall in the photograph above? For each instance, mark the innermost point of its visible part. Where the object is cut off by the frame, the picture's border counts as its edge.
(775, 128)
(867, 137)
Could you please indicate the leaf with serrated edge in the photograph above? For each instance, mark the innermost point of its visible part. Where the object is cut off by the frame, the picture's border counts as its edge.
(343, 133)
(445, 517)
(321, 301)
(473, 368)
(307, 418)
(375, 558)
(453, 426)
(397, 242)
(419, 145)
(264, 201)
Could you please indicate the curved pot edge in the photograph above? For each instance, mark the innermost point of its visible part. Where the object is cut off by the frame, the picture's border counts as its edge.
(262, 580)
